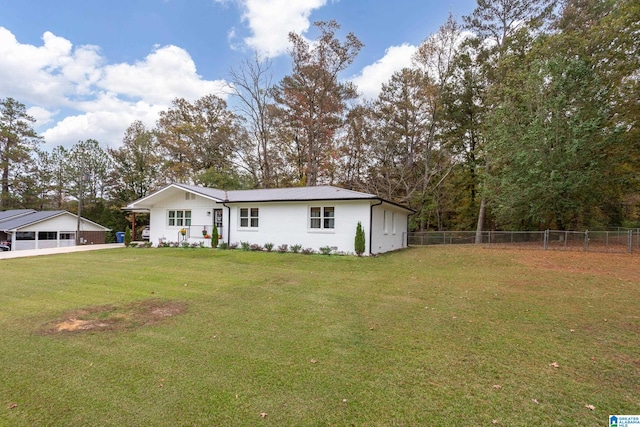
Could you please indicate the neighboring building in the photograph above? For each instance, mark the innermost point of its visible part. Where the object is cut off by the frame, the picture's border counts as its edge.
(313, 217)
(30, 229)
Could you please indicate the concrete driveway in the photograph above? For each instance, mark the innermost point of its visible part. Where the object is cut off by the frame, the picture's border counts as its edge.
(53, 251)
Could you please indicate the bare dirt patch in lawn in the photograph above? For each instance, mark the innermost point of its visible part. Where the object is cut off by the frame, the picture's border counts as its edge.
(113, 317)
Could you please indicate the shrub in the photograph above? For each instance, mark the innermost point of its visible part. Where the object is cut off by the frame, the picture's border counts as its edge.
(268, 247)
(326, 250)
(246, 246)
(127, 236)
(283, 248)
(233, 245)
(308, 251)
(359, 242)
(223, 245)
(133, 244)
(184, 244)
(296, 248)
(255, 247)
(214, 236)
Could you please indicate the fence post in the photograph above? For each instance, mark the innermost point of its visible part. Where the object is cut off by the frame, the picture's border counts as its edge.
(630, 241)
(586, 240)
(545, 240)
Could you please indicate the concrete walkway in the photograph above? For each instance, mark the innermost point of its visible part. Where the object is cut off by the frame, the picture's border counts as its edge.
(53, 251)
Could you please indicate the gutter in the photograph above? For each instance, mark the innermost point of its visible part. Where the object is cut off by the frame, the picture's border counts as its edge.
(371, 224)
(226, 200)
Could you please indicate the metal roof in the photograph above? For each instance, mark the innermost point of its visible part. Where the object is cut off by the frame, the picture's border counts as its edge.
(32, 217)
(12, 213)
(293, 194)
(325, 192)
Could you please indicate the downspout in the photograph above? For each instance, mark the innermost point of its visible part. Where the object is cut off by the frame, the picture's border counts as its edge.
(371, 225)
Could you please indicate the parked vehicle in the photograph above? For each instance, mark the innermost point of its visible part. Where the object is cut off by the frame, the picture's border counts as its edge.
(146, 232)
(5, 246)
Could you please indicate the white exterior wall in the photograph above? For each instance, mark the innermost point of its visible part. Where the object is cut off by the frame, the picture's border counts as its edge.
(389, 228)
(61, 224)
(288, 223)
(283, 223)
(159, 228)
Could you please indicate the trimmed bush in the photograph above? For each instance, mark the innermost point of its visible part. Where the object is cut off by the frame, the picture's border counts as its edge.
(326, 250)
(296, 248)
(214, 236)
(268, 247)
(359, 242)
(127, 236)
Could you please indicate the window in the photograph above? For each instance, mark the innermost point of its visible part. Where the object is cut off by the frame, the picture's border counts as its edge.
(25, 235)
(189, 196)
(384, 222)
(179, 219)
(249, 217)
(67, 236)
(321, 218)
(393, 222)
(47, 235)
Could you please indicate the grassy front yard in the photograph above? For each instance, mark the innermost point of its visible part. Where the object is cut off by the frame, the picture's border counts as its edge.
(429, 336)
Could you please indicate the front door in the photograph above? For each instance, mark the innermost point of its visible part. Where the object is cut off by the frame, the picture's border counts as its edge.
(217, 219)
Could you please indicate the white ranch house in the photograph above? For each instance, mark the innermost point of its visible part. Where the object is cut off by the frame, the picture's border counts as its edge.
(313, 217)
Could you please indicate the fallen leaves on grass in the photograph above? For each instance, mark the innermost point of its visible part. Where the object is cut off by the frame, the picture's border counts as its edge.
(590, 407)
(497, 386)
(13, 405)
(313, 361)
(554, 364)
(263, 414)
(535, 401)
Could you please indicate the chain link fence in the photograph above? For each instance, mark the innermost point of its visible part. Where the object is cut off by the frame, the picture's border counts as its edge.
(619, 240)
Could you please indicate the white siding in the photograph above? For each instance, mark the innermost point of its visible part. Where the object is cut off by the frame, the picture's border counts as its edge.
(391, 234)
(288, 223)
(159, 223)
(65, 223)
(283, 223)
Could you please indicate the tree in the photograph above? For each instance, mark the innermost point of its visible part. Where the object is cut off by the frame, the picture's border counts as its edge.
(252, 86)
(558, 134)
(195, 137)
(494, 22)
(314, 100)
(214, 236)
(136, 164)
(400, 148)
(359, 243)
(17, 141)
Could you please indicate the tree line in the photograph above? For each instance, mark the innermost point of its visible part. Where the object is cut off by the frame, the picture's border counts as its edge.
(522, 115)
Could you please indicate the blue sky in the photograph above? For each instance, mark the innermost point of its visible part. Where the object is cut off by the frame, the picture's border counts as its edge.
(87, 69)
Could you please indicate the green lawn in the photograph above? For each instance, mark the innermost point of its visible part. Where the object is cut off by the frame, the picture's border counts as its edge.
(428, 336)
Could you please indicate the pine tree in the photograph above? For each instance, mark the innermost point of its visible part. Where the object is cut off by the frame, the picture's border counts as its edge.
(214, 236)
(360, 240)
(127, 237)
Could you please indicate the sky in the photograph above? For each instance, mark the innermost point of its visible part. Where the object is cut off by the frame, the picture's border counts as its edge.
(87, 69)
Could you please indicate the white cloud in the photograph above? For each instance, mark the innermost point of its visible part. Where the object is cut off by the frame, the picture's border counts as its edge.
(271, 21)
(370, 80)
(100, 100)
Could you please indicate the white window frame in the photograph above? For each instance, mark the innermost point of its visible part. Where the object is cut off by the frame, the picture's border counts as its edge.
(252, 218)
(179, 221)
(393, 222)
(385, 228)
(325, 218)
